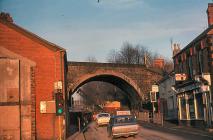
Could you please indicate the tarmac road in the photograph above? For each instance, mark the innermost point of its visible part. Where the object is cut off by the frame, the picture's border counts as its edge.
(147, 132)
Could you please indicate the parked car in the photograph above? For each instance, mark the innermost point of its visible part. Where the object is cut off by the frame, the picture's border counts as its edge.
(122, 125)
(102, 119)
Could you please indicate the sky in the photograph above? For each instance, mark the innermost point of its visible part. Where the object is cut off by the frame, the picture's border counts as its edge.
(86, 28)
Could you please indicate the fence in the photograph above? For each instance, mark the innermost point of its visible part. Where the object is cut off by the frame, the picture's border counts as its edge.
(144, 116)
(158, 118)
(149, 117)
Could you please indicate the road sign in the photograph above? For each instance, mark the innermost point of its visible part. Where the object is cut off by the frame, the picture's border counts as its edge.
(155, 88)
(123, 112)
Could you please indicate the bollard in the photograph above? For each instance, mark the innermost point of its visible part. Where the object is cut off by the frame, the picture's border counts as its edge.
(79, 124)
(162, 119)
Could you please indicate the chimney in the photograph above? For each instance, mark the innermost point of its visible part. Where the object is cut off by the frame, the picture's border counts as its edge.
(210, 13)
(6, 17)
(158, 63)
(175, 48)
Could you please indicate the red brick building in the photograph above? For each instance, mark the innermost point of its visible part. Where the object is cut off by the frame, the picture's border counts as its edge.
(50, 68)
(193, 66)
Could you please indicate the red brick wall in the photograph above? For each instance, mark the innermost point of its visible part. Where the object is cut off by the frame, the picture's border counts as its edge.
(47, 71)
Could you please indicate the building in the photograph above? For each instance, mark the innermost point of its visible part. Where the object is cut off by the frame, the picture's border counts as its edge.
(167, 97)
(16, 85)
(193, 66)
(158, 63)
(46, 67)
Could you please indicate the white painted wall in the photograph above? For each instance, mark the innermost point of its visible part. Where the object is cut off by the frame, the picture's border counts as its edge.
(168, 94)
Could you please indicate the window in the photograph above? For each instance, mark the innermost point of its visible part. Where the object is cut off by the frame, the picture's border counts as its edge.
(200, 61)
(125, 119)
(200, 107)
(190, 67)
(181, 67)
(103, 115)
(191, 108)
(183, 107)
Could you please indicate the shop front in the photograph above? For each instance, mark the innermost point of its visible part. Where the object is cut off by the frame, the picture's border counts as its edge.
(193, 104)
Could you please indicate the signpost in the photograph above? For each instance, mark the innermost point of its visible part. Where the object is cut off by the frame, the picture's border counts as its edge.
(153, 96)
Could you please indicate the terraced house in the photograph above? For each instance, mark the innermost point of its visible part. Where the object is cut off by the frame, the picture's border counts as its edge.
(194, 74)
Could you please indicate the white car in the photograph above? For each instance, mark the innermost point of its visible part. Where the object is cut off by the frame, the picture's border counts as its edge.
(103, 119)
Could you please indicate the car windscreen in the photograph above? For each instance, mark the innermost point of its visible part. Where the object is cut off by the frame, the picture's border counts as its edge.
(124, 119)
(103, 115)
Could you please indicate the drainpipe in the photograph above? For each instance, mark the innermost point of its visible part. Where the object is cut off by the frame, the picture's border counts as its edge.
(62, 71)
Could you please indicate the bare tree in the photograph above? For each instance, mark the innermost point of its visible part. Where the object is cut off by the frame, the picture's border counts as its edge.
(91, 59)
(137, 54)
(168, 65)
(129, 54)
(113, 57)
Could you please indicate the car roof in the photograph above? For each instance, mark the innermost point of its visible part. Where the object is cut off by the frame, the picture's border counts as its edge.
(103, 113)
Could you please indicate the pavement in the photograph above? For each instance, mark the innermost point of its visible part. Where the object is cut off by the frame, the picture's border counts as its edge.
(148, 131)
(179, 128)
(182, 131)
(76, 136)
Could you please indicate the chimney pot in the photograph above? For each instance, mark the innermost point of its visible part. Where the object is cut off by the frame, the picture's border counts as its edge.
(210, 14)
(6, 17)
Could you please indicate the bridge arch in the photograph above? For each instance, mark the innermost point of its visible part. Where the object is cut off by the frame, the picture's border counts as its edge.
(120, 80)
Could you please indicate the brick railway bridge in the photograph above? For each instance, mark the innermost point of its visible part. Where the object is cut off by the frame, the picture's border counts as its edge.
(134, 80)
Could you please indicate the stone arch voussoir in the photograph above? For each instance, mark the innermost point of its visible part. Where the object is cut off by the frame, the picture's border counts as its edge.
(78, 81)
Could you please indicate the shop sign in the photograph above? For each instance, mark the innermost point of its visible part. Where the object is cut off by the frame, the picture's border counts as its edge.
(180, 77)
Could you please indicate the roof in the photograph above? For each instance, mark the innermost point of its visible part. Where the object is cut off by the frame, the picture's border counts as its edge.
(31, 35)
(199, 37)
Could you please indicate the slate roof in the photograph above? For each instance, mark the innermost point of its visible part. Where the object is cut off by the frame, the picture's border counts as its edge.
(199, 37)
